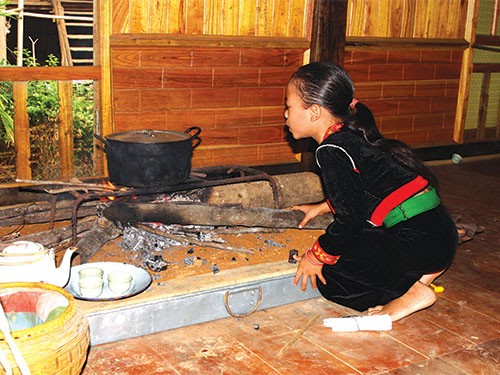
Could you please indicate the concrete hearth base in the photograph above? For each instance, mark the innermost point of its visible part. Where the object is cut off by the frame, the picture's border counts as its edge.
(192, 300)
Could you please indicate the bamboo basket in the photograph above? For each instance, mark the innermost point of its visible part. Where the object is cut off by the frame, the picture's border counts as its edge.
(59, 346)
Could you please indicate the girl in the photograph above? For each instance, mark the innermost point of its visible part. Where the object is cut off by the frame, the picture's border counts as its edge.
(391, 236)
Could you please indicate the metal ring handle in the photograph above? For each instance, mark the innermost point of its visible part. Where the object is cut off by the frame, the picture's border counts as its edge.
(106, 143)
(195, 139)
(234, 315)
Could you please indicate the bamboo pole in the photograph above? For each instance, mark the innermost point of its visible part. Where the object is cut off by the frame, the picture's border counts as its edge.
(3, 38)
(20, 33)
(15, 13)
(66, 59)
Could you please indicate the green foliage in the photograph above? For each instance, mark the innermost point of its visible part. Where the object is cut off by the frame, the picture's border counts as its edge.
(3, 5)
(83, 122)
(43, 110)
(6, 113)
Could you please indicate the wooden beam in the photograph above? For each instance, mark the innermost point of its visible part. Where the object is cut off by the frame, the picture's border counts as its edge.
(427, 43)
(206, 41)
(21, 130)
(486, 68)
(45, 73)
(488, 40)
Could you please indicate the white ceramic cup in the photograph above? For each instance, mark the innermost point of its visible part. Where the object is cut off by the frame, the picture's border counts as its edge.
(119, 282)
(91, 287)
(91, 272)
(456, 158)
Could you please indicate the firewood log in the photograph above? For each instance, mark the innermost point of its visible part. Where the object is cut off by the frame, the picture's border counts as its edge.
(193, 213)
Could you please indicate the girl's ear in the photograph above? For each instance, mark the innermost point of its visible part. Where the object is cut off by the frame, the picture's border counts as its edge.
(315, 112)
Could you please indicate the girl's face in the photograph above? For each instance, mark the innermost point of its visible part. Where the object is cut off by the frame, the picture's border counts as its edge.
(297, 117)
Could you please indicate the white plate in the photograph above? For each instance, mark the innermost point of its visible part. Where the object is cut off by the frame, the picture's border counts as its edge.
(141, 279)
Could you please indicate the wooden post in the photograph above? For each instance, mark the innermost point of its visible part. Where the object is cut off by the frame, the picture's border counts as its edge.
(104, 92)
(327, 44)
(466, 72)
(66, 131)
(21, 129)
(328, 33)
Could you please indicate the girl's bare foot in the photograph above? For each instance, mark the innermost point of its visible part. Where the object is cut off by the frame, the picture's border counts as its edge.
(418, 297)
(430, 277)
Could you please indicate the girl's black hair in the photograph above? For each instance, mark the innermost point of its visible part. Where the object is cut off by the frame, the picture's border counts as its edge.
(329, 86)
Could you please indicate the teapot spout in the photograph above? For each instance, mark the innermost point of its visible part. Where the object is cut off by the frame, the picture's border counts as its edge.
(62, 273)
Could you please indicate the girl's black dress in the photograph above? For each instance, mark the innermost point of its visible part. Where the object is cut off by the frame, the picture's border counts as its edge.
(376, 264)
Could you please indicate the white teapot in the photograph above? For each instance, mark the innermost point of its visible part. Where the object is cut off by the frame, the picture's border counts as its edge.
(28, 261)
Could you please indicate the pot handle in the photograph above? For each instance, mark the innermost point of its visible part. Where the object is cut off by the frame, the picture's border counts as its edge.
(196, 140)
(106, 143)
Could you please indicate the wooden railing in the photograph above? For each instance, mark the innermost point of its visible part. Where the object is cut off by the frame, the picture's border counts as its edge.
(489, 43)
(20, 76)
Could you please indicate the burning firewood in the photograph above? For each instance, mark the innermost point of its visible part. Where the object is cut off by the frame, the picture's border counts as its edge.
(192, 241)
(195, 213)
(102, 232)
(56, 236)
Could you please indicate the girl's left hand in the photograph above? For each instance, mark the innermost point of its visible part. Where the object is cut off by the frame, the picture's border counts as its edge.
(307, 271)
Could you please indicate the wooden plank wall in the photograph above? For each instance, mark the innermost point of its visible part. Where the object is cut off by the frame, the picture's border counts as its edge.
(168, 73)
(273, 18)
(235, 94)
(412, 92)
(234, 90)
(407, 18)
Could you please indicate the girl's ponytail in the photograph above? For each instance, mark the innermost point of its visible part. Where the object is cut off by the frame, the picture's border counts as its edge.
(363, 122)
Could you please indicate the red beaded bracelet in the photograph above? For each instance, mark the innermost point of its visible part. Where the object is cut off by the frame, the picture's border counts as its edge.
(312, 259)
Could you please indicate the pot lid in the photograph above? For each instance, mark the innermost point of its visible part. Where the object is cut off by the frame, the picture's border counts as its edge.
(22, 248)
(148, 136)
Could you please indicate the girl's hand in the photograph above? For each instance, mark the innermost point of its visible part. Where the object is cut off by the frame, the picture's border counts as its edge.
(307, 271)
(311, 211)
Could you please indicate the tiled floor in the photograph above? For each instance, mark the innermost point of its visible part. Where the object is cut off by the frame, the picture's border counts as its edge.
(460, 334)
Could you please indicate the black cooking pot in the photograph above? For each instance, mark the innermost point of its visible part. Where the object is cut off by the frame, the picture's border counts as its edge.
(150, 158)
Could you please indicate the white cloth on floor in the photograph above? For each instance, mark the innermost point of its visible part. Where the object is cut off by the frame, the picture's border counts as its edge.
(352, 323)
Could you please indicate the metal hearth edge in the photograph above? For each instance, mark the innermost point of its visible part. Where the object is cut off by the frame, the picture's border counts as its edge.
(130, 319)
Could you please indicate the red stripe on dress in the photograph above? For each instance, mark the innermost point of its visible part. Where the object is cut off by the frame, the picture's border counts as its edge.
(397, 197)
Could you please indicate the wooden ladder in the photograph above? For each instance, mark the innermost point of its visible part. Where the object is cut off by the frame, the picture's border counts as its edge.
(70, 54)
